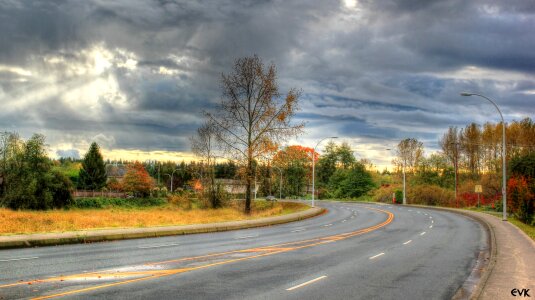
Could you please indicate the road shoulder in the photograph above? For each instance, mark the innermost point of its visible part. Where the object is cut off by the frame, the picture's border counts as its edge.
(510, 263)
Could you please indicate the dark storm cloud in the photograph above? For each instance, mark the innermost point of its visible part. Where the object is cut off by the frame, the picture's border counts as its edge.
(139, 73)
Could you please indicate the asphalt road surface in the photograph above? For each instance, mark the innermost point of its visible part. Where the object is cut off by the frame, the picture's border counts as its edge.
(354, 251)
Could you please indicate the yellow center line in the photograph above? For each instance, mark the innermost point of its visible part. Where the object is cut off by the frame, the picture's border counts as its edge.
(270, 250)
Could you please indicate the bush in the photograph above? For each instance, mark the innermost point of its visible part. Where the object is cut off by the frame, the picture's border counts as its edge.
(183, 200)
(399, 196)
(99, 202)
(213, 196)
(521, 198)
(430, 195)
(60, 187)
(384, 194)
(114, 185)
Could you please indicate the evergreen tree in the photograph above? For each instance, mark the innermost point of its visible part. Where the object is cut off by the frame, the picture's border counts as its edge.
(93, 172)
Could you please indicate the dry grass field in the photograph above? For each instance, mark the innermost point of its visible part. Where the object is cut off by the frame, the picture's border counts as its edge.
(24, 222)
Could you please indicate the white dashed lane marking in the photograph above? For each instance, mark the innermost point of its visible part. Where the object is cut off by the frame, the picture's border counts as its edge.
(375, 256)
(306, 283)
(15, 259)
(245, 237)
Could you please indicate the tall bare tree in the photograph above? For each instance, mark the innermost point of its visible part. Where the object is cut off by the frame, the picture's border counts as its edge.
(450, 146)
(409, 152)
(470, 146)
(204, 145)
(253, 118)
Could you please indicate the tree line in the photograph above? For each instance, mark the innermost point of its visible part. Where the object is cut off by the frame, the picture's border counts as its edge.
(472, 155)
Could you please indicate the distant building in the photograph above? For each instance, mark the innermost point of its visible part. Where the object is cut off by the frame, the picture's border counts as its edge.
(115, 171)
(234, 186)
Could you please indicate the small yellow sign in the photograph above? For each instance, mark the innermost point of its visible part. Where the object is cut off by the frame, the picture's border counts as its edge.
(479, 188)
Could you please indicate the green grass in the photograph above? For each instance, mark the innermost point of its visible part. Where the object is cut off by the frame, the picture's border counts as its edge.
(528, 229)
(103, 202)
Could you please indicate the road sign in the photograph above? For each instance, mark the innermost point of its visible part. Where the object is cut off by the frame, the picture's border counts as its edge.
(479, 188)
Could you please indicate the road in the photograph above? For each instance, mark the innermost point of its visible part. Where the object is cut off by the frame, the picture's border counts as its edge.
(354, 251)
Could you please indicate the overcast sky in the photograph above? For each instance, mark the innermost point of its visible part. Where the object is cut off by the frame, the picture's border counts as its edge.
(135, 75)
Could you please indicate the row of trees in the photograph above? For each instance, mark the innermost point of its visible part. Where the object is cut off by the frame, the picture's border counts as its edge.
(472, 155)
(477, 149)
(29, 179)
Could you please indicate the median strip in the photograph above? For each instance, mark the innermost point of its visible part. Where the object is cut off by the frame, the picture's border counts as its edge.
(74, 237)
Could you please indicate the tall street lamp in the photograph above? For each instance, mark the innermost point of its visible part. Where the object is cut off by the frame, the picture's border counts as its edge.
(172, 177)
(313, 163)
(504, 174)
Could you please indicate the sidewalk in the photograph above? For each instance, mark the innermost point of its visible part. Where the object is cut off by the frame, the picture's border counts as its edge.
(515, 261)
(88, 236)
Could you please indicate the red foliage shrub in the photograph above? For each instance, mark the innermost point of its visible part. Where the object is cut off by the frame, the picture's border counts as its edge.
(520, 198)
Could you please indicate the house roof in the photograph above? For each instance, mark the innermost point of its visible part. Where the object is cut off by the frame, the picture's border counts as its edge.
(115, 170)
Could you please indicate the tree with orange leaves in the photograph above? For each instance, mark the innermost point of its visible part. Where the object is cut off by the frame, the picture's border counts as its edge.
(296, 163)
(137, 180)
(253, 118)
(293, 154)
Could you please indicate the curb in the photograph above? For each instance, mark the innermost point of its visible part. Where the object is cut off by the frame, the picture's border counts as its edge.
(484, 266)
(90, 236)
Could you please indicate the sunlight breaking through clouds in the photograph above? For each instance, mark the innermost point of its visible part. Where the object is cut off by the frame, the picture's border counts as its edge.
(143, 72)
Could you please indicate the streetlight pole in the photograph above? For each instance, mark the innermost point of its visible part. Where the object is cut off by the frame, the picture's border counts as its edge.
(280, 182)
(504, 173)
(170, 178)
(404, 186)
(313, 163)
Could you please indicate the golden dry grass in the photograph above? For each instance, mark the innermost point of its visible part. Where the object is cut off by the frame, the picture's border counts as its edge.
(25, 222)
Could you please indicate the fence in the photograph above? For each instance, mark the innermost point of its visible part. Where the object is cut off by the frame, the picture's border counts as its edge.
(85, 194)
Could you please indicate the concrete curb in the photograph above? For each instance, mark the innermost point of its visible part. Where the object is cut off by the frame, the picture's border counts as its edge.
(473, 288)
(90, 236)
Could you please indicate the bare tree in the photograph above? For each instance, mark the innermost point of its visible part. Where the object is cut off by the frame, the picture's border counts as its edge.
(253, 118)
(470, 139)
(450, 146)
(409, 152)
(204, 145)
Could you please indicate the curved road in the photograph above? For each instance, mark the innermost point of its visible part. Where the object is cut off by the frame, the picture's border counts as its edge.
(354, 251)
